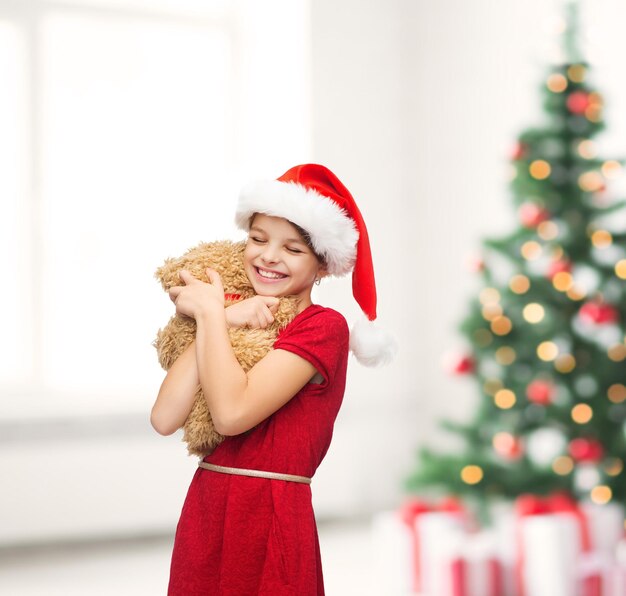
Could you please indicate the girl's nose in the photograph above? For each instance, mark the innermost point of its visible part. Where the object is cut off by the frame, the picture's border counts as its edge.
(269, 255)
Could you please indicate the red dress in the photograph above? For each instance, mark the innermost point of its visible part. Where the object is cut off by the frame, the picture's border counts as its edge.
(243, 536)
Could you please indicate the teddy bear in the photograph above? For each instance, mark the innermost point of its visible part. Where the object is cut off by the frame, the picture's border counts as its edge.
(249, 345)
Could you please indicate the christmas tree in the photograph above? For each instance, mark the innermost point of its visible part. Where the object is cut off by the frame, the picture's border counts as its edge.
(546, 336)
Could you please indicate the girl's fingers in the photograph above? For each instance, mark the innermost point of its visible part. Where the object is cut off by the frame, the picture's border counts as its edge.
(271, 302)
(214, 278)
(267, 315)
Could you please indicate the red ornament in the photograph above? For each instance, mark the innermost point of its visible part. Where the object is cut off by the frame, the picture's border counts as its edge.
(540, 392)
(586, 450)
(578, 102)
(519, 151)
(508, 446)
(531, 215)
(457, 362)
(464, 365)
(559, 266)
(475, 264)
(597, 313)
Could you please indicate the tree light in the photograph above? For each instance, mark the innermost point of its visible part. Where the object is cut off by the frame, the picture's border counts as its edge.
(547, 230)
(563, 465)
(614, 466)
(591, 181)
(557, 83)
(547, 351)
(565, 363)
(504, 399)
(617, 393)
(601, 495)
(582, 413)
(540, 169)
(601, 239)
(576, 73)
(531, 250)
(617, 353)
(505, 355)
(472, 474)
(562, 281)
(489, 296)
(587, 149)
(501, 325)
(534, 312)
(612, 169)
(520, 284)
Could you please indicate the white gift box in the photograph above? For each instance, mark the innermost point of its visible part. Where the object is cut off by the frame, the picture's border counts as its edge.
(475, 567)
(606, 526)
(453, 562)
(436, 533)
(551, 548)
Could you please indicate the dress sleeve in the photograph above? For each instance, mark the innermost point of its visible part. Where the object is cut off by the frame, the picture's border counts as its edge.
(322, 339)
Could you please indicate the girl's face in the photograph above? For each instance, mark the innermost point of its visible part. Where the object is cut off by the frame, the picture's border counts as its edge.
(278, 261)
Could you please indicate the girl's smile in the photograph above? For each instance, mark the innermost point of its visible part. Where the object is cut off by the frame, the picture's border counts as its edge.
(278, 262)
(267, 276)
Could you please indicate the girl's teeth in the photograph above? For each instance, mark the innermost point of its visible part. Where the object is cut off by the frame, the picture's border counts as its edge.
(269, 274)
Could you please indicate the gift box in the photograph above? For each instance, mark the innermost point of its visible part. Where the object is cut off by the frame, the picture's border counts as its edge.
(543, 546)
(552, 533)
(475, 567)
(606, 526)
(432, 527)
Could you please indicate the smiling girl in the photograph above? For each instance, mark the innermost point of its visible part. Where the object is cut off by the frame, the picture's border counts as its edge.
(247, 526)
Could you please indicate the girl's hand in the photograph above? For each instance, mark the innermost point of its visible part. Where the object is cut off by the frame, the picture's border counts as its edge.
(256, 312)
(196, 297)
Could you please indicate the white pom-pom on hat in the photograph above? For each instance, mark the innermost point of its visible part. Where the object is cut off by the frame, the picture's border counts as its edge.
(312, 197)
(371, 344)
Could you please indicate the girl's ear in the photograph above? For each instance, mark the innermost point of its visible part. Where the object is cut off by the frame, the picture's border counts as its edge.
(322, 272)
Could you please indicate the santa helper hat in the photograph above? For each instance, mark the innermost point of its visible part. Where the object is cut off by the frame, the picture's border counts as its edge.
(312, 197)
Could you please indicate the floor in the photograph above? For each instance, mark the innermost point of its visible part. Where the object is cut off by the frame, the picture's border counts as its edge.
(140, 567)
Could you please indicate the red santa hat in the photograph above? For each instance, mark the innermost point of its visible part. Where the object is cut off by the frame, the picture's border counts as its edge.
(312, 197)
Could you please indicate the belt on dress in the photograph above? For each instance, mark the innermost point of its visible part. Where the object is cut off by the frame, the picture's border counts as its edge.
(254, 473)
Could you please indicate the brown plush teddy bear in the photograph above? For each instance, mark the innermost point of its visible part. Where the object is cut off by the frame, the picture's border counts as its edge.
(249, 345)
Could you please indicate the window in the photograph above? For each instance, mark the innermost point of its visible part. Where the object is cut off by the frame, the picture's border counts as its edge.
(128, 128)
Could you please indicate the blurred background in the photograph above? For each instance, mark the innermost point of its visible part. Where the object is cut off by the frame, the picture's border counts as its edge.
(127, 129)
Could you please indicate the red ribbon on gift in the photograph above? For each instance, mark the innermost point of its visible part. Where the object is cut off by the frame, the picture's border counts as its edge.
(409, 512)
(526, 505)
(460, 576)
(592, 585)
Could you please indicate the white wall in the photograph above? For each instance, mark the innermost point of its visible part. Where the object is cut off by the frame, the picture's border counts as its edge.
(414, 106)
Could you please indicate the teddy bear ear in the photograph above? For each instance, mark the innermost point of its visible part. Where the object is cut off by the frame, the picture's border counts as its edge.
(163, 273)
(159, 274)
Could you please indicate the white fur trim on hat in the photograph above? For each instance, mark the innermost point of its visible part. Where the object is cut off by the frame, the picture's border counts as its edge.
(371, 344)
(333, 233)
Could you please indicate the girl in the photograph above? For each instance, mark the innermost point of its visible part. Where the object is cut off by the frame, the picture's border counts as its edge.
(247, 526)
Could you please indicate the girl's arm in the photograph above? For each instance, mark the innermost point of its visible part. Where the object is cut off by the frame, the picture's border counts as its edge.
(239, 401)
(177, 393)
(178, 390)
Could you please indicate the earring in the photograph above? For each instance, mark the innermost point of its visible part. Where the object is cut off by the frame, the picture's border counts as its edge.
(317, 281)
